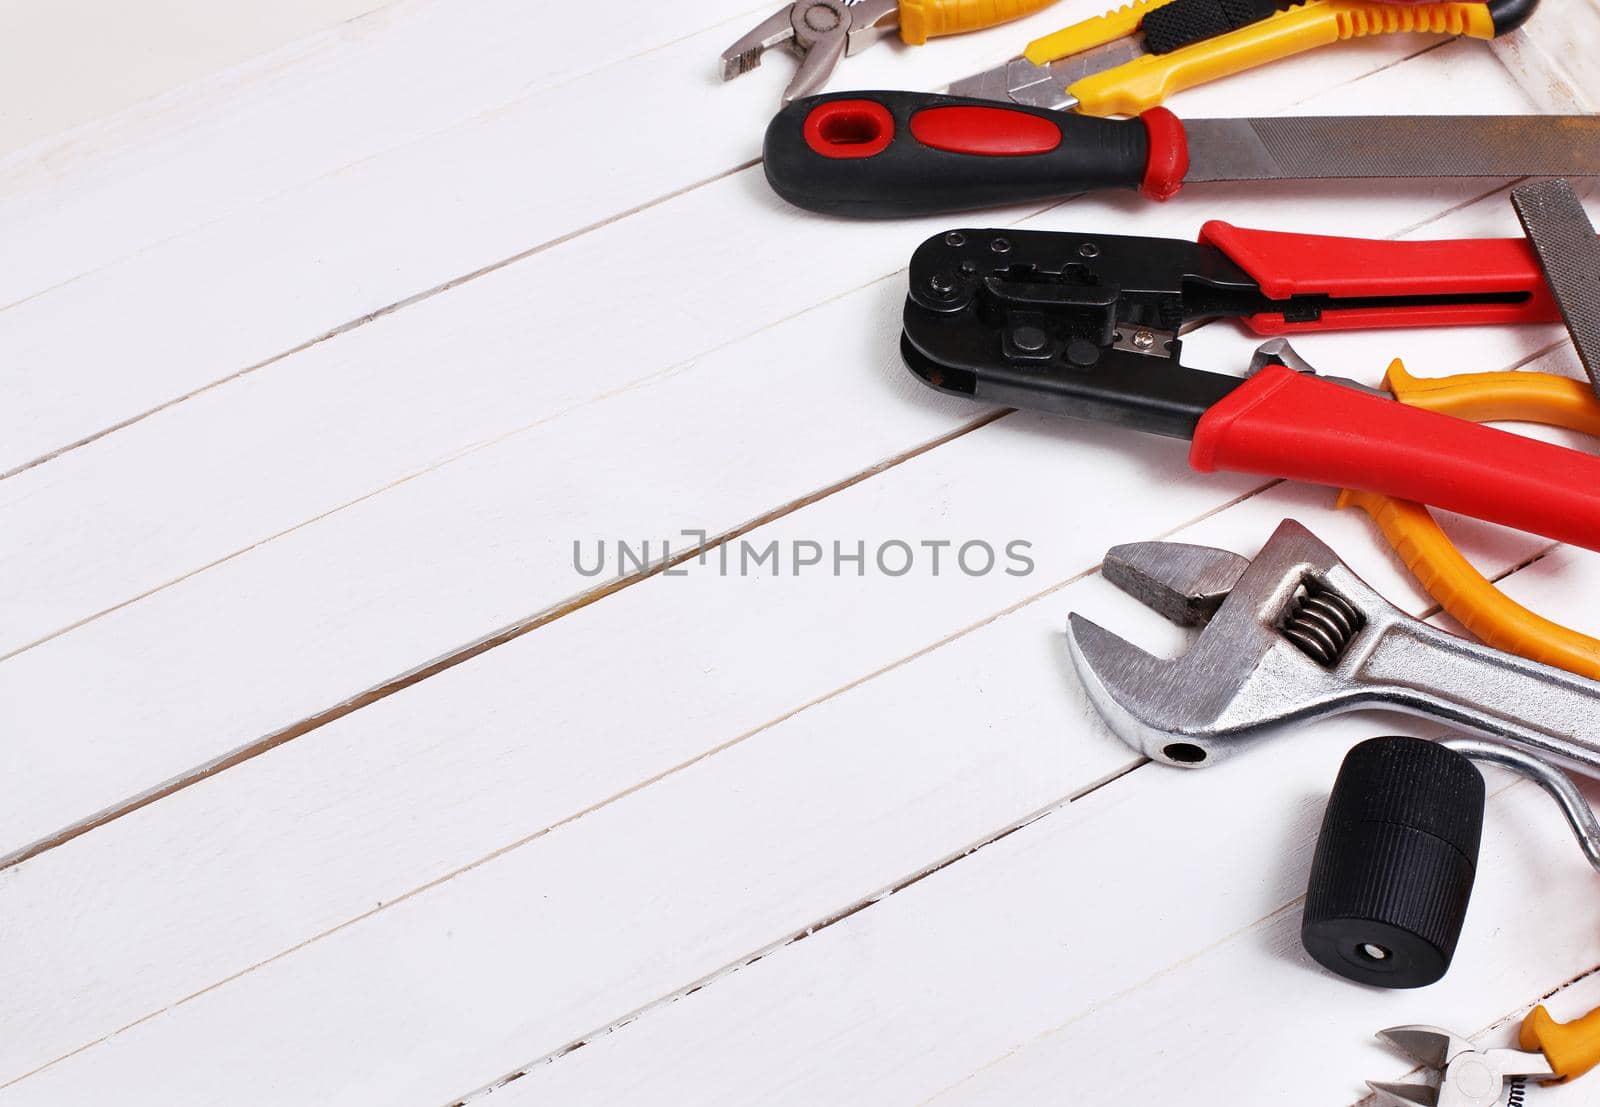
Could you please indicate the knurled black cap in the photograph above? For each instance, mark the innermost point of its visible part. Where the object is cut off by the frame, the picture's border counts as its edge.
(1394, 865)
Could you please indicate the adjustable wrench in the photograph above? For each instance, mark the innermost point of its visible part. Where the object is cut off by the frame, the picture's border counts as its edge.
(1295, 635)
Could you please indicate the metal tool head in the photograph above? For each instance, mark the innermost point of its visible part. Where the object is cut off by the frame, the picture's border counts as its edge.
(1081, 325)
(1279, 632)
(1569, 253)
(820, 32)
(1468, 1076)
(1020, 81)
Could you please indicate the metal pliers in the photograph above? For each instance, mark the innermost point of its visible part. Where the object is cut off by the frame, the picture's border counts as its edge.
(823, 31)
(1089, 326)
(1131, 59)
(1472, 1077)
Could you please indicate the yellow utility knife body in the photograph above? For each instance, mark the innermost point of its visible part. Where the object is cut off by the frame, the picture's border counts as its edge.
(1131, 59)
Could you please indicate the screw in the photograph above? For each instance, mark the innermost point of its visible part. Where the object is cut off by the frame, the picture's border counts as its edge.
(822, 19)
(1143, 340)
(1089, 250)
(1000, 245)
(942, 283)
(955, 238)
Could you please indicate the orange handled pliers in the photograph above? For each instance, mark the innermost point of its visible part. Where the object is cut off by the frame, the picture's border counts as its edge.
(1473, 1077)
(823, 31)
(1466, 594)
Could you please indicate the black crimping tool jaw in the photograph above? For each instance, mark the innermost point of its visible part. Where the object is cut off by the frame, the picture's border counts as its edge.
(1085, 326)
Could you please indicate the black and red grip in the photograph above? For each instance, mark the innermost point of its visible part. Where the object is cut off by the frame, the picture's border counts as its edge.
(876, 154)
(1364, 283)
(1280, 423)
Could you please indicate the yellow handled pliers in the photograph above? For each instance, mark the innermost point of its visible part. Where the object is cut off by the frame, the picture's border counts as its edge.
(1131, 59)
(1471, 1077)
(823, 31)
(1466, 594)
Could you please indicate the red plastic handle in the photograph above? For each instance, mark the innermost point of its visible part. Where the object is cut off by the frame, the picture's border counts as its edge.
(1287, 424)
(1287, 265)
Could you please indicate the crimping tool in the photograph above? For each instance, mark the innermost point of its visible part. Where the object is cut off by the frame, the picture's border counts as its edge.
(1089, 326)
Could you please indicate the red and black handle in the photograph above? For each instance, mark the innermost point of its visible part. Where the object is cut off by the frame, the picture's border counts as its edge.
(1362, 283)
(880, 154)
(1285, 424)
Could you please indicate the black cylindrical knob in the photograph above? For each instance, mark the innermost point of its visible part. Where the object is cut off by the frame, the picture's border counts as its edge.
(1395, 862)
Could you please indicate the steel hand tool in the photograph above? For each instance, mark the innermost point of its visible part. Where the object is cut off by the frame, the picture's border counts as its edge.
(823, 31)
(910, 153)
(1134, 57)
(1569, 253)
(1088, 326)
(1468, 1076)
(1294, 635)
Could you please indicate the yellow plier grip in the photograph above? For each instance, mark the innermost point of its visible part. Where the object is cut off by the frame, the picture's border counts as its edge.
(1466, 594)
(921, 20)
(1571, 1048)
(1146, 81)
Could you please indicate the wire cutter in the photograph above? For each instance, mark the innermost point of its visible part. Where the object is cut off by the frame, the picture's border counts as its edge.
(1472, 1077)
(1133, 58)
(1089, 326)
(823, 31)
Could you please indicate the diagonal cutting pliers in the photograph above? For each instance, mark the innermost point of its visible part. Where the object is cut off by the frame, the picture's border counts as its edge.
(823, 31)
(1473, 1077)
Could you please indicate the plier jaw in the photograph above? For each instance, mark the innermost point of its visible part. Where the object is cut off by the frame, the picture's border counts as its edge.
(1468, 1076)
(819, 32)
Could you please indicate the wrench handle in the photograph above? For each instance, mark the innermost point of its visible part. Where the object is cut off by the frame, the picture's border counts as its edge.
(1286, 424)
(1540, 709)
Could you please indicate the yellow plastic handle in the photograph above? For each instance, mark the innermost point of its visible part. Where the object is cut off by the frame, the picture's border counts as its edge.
(1101, 29)
(1146, 81)
(1571, 1048)
(921, 20)
(1427, 551)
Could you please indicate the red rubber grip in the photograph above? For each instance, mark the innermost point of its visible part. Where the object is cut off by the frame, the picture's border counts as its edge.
(1286, 424)
(1287, 265)
(1168, 160)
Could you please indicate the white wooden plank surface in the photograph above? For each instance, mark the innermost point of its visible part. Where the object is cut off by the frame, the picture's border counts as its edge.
(391, 203)
(437, 891)
(218, 145)
(69, 62)
(804, 820)
(137, 490)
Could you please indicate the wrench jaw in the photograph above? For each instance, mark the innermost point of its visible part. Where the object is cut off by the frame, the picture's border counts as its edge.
(1243, 679)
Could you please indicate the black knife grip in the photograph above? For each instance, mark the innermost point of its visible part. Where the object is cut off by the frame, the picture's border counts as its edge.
(910, 153)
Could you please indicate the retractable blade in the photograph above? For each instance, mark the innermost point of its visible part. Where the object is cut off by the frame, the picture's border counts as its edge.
(907, 153)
